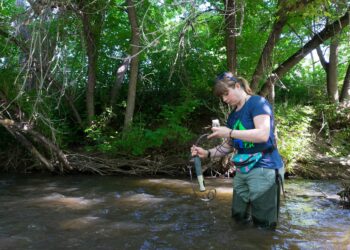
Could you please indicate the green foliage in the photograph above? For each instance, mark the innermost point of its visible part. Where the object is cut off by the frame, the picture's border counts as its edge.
(139, 139)
(304, 85)
(97, 130)
(333, 124)
(182, 49)
(305, 131)
(294, 132)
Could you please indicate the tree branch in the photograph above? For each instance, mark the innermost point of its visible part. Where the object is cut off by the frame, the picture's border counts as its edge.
(282, 16)
(323, 61)
(329, 31)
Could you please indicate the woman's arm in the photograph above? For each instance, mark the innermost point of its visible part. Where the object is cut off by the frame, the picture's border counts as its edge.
(218, 151)
(260, 133)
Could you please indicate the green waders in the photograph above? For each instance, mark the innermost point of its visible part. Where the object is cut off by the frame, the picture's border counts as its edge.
(257, 192)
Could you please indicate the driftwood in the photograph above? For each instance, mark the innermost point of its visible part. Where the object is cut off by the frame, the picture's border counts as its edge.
(332, 161)
(23, 133)
(49, 155)
(55, 160)
(53, 147)
(127, 165)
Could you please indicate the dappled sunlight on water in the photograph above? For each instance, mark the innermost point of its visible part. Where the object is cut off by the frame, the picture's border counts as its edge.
(93, 212)
(135, 199)
(223, 187)
(79, 223)
(59, 200)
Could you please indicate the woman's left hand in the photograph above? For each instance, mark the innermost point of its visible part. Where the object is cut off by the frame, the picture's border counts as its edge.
(220, 132)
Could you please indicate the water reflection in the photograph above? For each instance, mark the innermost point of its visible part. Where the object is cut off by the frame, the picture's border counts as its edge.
(92, 212)
(79, 223)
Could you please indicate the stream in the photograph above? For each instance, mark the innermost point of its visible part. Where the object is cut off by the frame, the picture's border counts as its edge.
(99, 212)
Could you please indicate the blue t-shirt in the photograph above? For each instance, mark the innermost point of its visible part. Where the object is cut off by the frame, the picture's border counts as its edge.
(243, 120)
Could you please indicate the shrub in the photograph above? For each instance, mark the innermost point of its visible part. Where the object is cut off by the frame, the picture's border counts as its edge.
(171, 130)
(293, 125)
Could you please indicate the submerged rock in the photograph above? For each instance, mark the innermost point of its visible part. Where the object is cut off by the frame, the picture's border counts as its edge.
(345, 194)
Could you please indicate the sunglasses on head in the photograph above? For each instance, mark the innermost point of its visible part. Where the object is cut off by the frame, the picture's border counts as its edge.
(225, 74)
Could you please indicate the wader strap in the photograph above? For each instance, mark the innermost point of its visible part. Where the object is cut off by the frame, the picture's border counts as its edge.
(279, 184)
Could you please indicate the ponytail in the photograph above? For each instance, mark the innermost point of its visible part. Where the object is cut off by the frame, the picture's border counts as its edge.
(227, 80)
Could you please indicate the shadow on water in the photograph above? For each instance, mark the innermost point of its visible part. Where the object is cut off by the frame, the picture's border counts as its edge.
(93, 212)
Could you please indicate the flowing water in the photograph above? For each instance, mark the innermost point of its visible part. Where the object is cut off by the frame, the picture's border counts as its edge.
(94, 212)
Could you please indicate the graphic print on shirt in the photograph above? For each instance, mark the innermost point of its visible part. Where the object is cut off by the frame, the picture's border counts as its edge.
(238, 142)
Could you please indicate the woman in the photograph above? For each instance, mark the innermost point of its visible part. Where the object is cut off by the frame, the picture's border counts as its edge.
(250, 131)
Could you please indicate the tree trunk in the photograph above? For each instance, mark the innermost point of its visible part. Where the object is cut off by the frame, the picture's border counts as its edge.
(332, 78)
(329, 31)
(345, 92)
(264, 63)
(77, 116)
(323, 61)
(135, 43)
(91, 51)
(271, 95)
(331, 68)
(230, 21)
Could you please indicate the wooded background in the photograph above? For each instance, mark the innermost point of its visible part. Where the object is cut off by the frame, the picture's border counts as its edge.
(134, 78)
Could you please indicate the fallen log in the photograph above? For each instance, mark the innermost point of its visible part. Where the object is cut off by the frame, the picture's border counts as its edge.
(8, 124)
(20, 132)
(324, 168)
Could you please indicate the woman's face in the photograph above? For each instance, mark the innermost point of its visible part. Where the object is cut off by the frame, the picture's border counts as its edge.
(233, 96)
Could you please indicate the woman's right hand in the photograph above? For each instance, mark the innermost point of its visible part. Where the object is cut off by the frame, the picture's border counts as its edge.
(201, 152)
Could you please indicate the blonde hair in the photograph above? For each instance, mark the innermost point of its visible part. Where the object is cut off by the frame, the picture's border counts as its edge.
(228, 80)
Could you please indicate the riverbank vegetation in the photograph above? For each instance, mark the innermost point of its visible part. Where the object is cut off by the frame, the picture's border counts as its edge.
(125, 87)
